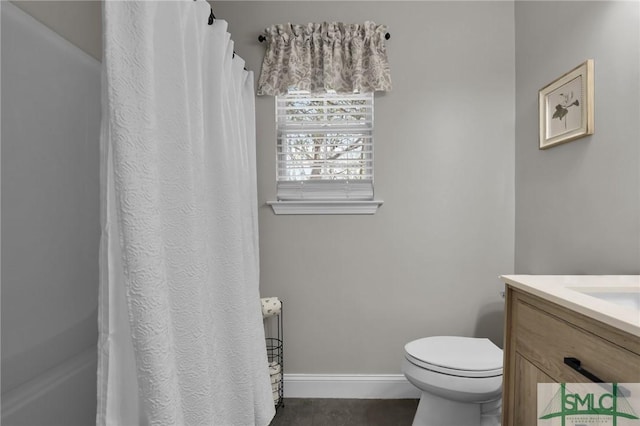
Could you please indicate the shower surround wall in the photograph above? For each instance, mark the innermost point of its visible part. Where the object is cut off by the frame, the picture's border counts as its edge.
(50, 225)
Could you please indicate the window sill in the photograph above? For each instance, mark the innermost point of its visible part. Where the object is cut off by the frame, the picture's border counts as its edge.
(325, 207)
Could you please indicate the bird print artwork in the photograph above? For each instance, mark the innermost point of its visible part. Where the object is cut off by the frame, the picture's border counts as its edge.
(562, 109)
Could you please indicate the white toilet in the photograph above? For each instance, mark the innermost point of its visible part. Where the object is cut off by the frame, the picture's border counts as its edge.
(460, 379)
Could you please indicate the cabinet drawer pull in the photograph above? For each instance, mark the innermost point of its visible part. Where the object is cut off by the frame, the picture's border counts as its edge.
(576, 365)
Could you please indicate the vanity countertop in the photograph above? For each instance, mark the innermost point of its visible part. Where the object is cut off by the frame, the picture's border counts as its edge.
(586, 293)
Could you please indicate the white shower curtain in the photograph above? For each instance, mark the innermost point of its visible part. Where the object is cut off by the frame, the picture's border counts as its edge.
(181, 337)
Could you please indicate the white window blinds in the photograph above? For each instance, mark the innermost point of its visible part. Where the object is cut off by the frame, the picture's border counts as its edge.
(325, 146)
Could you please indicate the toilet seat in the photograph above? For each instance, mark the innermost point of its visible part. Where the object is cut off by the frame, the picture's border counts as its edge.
(456, 356)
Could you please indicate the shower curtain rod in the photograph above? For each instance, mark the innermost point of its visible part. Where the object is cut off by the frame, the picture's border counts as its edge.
(262, 38)
(212, 18)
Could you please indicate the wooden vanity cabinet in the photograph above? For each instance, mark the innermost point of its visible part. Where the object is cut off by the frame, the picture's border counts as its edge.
(538, 336)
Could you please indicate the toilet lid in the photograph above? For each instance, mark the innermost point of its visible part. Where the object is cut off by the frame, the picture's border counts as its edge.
(477, 357)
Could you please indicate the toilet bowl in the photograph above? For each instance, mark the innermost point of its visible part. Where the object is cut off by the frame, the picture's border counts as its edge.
(460, 379)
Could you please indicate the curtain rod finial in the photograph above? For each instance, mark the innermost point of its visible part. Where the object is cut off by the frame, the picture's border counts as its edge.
(261, 38)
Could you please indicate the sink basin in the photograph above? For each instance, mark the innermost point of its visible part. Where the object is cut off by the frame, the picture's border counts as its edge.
(627, 298)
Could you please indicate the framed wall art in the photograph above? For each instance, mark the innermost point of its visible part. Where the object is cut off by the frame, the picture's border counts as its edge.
(566, 107)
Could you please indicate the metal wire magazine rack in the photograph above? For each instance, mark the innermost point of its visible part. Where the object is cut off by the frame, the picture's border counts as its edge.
(274, 340)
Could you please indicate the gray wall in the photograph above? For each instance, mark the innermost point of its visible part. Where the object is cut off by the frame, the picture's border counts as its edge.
(578, 204)
(357, 288)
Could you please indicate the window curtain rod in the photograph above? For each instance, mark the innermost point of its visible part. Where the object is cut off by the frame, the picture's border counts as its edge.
(262, 38)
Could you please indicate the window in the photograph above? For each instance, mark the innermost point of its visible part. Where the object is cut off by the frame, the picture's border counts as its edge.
(324, 153)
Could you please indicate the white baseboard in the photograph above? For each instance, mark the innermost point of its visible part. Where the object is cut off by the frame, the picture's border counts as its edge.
(355, 386)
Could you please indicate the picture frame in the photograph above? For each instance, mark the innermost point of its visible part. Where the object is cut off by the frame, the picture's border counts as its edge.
(566, 107)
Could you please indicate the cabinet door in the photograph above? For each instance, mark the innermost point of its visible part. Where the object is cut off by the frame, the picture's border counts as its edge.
(527, 377)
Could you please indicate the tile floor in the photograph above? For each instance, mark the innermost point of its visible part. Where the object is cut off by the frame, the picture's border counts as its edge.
(345, 412)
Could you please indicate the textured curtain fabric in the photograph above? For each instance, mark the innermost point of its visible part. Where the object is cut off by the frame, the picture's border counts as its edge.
(181, 336)
(321, 57)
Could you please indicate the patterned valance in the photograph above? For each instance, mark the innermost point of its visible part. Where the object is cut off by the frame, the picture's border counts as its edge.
(321, 57)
